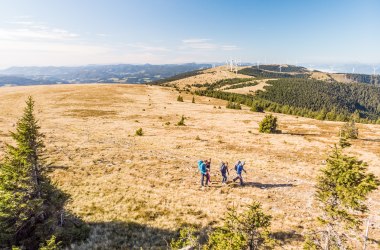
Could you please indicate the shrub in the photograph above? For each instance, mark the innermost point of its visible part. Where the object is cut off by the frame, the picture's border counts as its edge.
(232, 105)
(139, 132)
(193, 100)
(247, 230)
(268, 124)
(342, 189)
(349, 130)
(257, 108)
(187, 238)
(181, 122)
(180, 98)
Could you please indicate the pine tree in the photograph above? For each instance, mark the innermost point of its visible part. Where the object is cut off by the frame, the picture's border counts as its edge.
(248, 230)
(342, 190)
(29, 204)
(268, 124)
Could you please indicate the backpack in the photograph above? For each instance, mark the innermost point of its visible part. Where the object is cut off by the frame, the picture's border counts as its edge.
(223, 168)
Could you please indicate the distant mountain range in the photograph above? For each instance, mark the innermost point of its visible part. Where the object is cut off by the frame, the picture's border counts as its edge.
(121, 73)
(128, 73)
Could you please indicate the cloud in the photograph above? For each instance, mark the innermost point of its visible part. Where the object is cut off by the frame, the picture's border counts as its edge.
(147, 48)
(204, 44)
(26, 30)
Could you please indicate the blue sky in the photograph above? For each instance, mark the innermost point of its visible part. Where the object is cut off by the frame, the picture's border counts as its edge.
(77, 32)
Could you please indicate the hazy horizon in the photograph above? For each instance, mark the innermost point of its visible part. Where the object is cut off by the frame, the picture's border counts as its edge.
(71, 33)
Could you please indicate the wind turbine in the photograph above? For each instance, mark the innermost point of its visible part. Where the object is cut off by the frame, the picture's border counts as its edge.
(280, 67)
(258, 64)
(374, 76)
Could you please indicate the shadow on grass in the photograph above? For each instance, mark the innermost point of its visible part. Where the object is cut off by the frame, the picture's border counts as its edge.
(126, 235)
(287, 237)
(266, 186)
(300, 134)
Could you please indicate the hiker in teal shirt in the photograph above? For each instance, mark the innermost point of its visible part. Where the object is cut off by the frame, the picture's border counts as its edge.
(203, 170)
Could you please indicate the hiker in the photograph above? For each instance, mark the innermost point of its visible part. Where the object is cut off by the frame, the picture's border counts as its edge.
(224, 171)
(208, 172)
(203, 170)
(239, 167)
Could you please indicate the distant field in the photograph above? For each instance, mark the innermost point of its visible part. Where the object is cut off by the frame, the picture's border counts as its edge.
(137, 191)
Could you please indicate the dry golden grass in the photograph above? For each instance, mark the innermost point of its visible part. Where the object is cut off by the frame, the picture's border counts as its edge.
(136, 191)
(208, 76)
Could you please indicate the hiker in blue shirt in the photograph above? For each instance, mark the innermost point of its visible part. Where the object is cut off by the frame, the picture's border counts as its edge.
(239, 167)
(203, 170)
(224, 171)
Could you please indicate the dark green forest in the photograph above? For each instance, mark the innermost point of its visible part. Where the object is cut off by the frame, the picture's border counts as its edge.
(311, 98)
(260, 73)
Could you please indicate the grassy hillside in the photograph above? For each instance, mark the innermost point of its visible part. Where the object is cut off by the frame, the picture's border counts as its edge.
(137, 191)
(319, 95)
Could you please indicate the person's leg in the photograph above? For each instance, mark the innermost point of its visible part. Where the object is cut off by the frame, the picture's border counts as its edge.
(241, 180)
(207, 179)
(202, 179)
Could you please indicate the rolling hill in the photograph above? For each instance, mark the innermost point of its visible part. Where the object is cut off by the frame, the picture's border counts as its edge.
(137, 191)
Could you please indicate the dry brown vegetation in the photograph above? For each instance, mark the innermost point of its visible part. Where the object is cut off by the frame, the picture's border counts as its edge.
(136, 191)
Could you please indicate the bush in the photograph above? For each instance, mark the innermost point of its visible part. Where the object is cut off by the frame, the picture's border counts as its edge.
(257, 108)
(268, 124)
(187, 238)
(232, 105)
(180, 98)
(342, 189)
(139, 132)
(349, 130)
(193, 100)
(247, 230)
(181, 122)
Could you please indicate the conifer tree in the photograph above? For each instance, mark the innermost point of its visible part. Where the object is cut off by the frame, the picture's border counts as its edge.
(29, 203)
(342, 189)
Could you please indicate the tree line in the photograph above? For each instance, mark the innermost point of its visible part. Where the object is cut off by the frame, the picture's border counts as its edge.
(311, 98)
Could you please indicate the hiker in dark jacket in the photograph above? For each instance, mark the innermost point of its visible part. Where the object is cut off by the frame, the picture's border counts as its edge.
(203, 170)
(239, 170)
(208, 174)
(224, 171)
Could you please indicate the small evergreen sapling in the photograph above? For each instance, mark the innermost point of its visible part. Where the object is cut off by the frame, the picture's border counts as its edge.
(342, 189)
(139, 132)
(182, 121)
(268, 124)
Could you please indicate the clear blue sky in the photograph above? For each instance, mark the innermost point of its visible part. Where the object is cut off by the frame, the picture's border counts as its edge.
(75, 32)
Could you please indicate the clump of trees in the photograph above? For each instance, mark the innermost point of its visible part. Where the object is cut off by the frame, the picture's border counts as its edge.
(268, 124)
(311, 98)
(31, 207)
(342, 189)
(232, 105)
(349, 130)
(179, 98)
(256, 107)
(246, 230)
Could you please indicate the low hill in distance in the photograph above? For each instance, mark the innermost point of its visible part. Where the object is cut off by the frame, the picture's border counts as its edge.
(122, 73)
(137, 191)
(290, 90)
